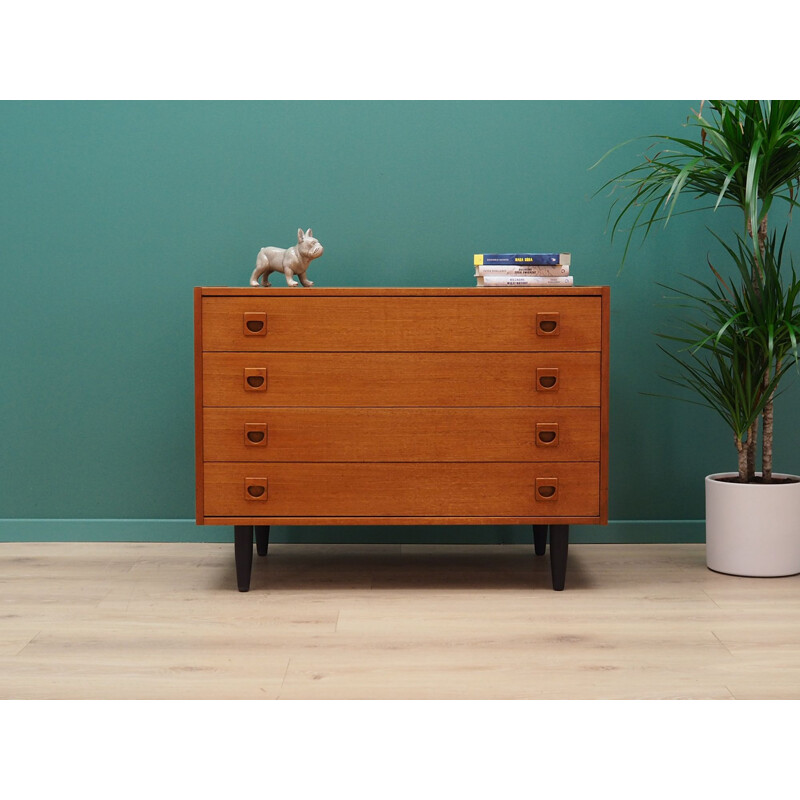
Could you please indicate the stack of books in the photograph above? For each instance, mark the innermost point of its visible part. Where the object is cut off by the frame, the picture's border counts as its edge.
(522, 269)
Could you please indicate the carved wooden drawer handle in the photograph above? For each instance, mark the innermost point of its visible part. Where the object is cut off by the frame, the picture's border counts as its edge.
(255, 379)
(548, 323)
(547, 488)
(255, 488)
(547, 434)
(547, 379)
(254, 323)
(255, 434)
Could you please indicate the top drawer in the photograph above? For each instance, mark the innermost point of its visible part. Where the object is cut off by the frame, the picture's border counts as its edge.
(482, 324)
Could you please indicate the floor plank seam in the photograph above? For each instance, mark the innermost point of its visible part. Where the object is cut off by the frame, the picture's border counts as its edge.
(283, 680)
(29, 642)
(711, 599)
(730, 653)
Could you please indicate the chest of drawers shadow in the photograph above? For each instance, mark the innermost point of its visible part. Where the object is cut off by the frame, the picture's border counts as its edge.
(420, 406)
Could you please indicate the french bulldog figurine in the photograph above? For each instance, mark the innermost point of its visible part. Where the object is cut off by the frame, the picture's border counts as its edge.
(293, 261)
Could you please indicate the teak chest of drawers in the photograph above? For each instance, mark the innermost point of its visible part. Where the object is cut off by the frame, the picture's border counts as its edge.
(401, 406)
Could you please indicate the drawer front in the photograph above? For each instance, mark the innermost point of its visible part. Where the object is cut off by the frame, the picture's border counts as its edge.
(405, 490)
(309, 323)
(401, 434)
(401, 379)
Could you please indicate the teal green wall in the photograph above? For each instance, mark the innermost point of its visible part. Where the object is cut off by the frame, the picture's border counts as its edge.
(113, 211)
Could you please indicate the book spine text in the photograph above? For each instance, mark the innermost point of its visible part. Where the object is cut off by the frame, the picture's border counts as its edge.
(524, 280)
(531, 259)
(554, 271)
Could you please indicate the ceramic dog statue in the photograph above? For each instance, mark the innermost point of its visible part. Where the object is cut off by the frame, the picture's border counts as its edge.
(292, 261)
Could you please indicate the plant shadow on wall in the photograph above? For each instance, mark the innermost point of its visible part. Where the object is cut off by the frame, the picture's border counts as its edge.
(740, 338)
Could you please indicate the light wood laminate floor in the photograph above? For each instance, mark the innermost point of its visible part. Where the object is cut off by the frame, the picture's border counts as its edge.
(151, 621)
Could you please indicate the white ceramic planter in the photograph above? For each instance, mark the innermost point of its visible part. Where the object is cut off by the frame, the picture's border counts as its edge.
(752, 529)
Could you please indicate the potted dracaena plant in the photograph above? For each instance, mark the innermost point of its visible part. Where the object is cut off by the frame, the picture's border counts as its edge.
(741, 336)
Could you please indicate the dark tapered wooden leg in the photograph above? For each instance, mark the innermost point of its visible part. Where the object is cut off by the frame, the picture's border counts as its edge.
(262, 539)
(243, 551)
(559, 542)
(539, 539)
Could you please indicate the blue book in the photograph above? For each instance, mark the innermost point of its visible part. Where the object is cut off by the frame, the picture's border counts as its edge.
(521, 259)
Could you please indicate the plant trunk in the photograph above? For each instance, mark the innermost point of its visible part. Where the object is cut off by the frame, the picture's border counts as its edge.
(766, 447)
(750, 448)
(767, 433)
(767, 413)
(760, 235)
(742, 450)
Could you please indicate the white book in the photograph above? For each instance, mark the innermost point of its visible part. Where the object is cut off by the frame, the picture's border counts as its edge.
(553, 271)
(524, 280)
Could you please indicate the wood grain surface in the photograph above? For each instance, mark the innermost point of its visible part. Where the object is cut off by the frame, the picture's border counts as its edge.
(135, 620)
(398, 405)
(401, 434)
(376, 490)
(310, 322)
(401, 379)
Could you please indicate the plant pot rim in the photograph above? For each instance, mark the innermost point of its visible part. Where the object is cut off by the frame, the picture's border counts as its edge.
(718, 477)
